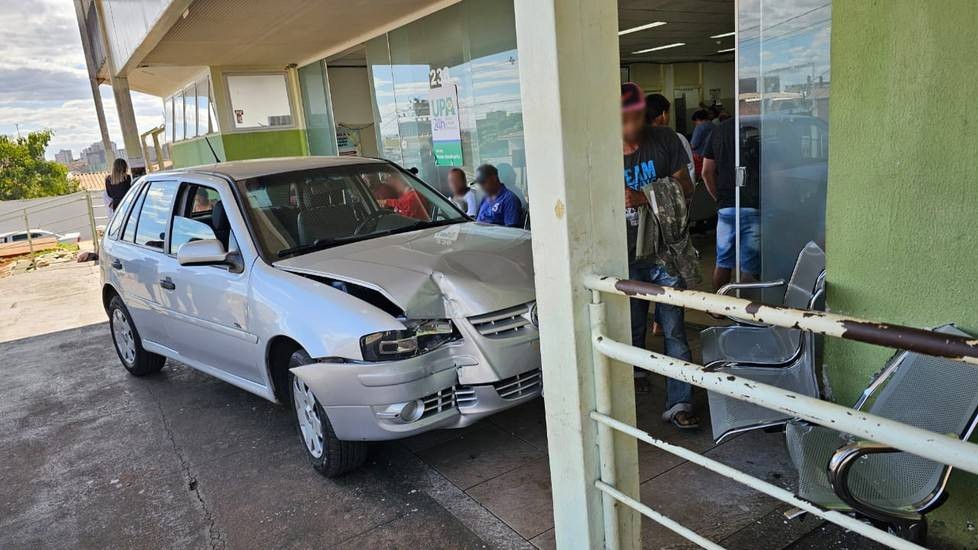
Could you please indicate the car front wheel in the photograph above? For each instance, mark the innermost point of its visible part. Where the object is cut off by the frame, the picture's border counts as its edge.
(128, 345)
(329, 456)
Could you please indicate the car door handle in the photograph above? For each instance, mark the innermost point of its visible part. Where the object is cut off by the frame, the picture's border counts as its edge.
(167, 283)
(116, 263)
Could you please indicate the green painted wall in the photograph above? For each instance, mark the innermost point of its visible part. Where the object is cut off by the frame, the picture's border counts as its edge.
(195, 152)
(275, 143)
(240, 146)
(902, 221)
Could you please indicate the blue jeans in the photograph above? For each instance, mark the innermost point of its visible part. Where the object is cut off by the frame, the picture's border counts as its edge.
(750, 239)
(670, 318)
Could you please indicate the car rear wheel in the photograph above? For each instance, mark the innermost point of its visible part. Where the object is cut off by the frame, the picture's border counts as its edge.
(329, 455)
(128, 345)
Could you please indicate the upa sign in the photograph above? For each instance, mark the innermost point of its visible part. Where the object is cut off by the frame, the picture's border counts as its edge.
(445, 130)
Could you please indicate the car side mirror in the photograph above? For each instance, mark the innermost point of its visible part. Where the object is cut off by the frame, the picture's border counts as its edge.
(208, 252)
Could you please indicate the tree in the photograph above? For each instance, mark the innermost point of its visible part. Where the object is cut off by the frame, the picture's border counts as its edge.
(25, 174)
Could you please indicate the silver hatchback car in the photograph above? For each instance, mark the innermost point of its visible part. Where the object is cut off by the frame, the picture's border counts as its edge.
(345, 287)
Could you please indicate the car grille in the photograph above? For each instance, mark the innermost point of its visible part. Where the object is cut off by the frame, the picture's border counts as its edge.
(465, 396)
(517, 386)
(503, 323)
(439, 401)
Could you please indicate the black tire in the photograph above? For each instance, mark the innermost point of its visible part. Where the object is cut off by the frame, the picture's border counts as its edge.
(336, 457)
(143, 362)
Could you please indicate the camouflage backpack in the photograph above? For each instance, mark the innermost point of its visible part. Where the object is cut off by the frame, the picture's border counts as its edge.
(663, 235)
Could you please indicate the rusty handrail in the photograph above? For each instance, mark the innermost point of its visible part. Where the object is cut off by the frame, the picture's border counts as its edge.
(917, 340)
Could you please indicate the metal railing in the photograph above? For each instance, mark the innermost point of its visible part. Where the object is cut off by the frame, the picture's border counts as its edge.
(953, 452)
(82, 212)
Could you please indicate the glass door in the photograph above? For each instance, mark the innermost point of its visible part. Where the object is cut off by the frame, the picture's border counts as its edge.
(782, 109)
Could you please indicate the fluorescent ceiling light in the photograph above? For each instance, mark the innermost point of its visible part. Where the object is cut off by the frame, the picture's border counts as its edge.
(657, 48)
(641, 28)
(726, 50)
(724, 35)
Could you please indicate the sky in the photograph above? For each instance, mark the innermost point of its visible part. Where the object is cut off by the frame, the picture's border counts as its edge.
(44, 82)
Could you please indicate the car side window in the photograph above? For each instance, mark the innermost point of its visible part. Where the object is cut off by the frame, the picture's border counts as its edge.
(119, 217)
(154, 215)
(129, 234)
(193, 218)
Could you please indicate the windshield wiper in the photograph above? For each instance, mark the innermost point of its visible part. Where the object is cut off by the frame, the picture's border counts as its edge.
(424, 224)
(322, 244)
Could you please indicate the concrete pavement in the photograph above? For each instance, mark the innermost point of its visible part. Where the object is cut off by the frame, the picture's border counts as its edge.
(95, 458)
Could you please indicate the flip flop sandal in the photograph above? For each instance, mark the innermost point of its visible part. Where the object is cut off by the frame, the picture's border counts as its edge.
(687, 420)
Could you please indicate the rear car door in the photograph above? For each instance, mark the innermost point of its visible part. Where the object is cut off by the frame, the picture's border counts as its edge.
(207, 305)
(135, 255)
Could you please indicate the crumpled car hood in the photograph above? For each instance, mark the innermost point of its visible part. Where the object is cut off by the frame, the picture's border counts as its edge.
(457, 270)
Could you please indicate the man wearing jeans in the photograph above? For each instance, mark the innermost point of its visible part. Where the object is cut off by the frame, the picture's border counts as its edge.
(655, 168)
(720, 176)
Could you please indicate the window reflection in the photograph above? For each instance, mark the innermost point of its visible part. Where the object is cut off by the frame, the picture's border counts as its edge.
(784, 104)
(471, 46)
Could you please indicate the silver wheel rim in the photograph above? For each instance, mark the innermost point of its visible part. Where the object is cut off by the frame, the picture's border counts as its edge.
(125, 340)
(310, 425)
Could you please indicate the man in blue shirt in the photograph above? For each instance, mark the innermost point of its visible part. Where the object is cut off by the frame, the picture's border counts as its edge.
(500, 205)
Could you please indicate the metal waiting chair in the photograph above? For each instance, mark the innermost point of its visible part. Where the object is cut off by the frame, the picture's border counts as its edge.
(775, 356)
(891, 488)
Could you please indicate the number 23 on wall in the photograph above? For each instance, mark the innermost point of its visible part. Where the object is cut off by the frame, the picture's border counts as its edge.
(436, 77)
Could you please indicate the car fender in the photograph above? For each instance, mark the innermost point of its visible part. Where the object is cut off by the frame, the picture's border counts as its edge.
(325, 321)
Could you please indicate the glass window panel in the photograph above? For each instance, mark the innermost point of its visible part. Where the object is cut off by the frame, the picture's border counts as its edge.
(259, 101)
(213, 124)
(155, 214)
(472, 46)
(316, 107)
(384, 109)
(784, 100)
(178, 133)
(190, 111)
(129, 234)
(203, 104)
(168, 119)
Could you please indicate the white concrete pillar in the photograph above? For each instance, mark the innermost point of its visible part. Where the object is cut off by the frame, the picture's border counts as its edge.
(569, 80)
(93, 79)
(127, 123)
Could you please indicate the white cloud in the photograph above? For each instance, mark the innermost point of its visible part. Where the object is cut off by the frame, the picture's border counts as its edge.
(44, 82)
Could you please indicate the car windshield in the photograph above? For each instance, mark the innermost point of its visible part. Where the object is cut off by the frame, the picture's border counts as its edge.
(298, 212)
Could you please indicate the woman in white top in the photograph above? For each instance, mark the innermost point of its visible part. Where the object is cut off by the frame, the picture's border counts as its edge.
(462, 195)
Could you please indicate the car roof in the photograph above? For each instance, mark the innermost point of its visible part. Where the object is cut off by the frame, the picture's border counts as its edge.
(244, 169)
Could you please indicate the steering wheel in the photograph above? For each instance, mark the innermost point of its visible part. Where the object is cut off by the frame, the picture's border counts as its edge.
(373, 216)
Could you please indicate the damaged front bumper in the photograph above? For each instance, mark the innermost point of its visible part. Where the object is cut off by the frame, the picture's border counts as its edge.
(397, 399)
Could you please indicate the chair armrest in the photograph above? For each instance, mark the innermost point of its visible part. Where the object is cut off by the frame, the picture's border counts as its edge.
(838, 473)
(729, 287)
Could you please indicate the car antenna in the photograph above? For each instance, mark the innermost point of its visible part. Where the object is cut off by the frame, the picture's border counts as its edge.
(211, 147)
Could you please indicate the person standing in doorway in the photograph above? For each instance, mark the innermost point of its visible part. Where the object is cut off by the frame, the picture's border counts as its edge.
(657, 184)
(657, 114)
(500, 206)
(720, 176)
(117, 184)
(462, 195)
(702, 131)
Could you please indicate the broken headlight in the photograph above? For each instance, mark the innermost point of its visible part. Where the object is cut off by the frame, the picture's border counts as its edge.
(419, 336)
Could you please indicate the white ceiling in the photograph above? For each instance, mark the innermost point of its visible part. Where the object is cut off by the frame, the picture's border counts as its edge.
(231, 32)
(688, 21)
